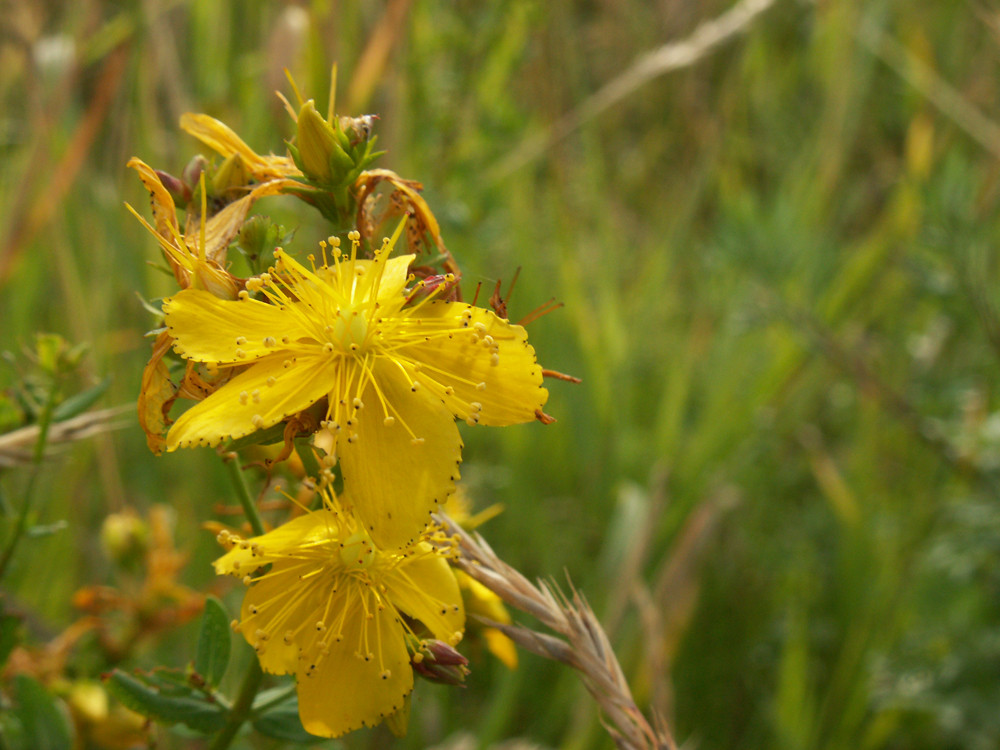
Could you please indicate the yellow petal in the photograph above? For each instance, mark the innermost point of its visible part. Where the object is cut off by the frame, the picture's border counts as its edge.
(426, 590)
(282, 605)
(394, 276)
(310, 527)
(164, 210)
(508, 391)
(208, 329)
(155, 395)
(220, 138)
(398, 474)
(357, 284)
(346, 692)
(234, 411)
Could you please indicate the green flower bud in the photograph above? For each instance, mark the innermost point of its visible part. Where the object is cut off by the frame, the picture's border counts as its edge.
(321, 152)
(232, 174)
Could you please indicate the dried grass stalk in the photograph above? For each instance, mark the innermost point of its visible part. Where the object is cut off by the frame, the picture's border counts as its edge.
(16, 447)
(582, 644)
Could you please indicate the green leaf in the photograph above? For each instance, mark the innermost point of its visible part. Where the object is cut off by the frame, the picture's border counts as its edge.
(44, 720)
(281, 721)
(80, 402)
(214, 641)
(191, 709)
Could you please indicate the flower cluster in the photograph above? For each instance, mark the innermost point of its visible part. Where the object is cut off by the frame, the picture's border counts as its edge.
(359, 352)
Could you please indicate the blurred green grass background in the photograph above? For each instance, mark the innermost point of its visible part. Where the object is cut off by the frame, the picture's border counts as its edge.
(777, 483)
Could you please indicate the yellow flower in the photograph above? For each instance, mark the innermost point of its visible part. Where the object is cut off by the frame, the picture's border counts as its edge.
(391, 375)
(331, 608)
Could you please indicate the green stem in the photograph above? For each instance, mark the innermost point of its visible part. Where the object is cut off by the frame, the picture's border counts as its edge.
(241, 707)
(308, 457)
(243, 493)
(38, 454)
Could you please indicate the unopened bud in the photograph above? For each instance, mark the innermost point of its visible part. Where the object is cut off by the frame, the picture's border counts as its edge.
(180, 192)
(441, 663)
(233, 174)
(320, 150)
(192, 172)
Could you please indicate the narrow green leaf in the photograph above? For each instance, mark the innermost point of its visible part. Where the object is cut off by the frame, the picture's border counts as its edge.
(80, 402)
(194, 712)
(44, 720)
(214, 641)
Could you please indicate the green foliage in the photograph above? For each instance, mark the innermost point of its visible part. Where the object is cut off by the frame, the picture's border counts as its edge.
(214, 641)
(38, 719)
(169, 697)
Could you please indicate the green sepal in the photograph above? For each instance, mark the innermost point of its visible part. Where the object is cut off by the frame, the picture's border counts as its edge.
(214, 643)
(162, 698)
(340, 161)
(273, 434)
